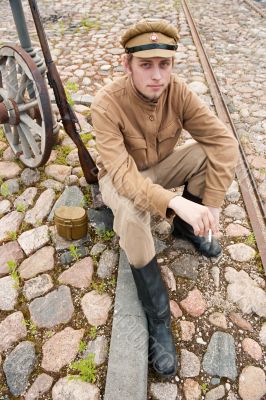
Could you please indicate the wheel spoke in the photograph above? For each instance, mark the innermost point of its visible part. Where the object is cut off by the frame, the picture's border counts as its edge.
(12, 77)
(30, 139)
(24, 143)
(15, 139)
(27, 106)
(3, 94)
(2, 64)
(37, 129)
(4, 74)
(31, 91)
(22, 88)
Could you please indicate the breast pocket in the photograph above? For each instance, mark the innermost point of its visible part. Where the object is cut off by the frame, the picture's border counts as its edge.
(168, 137)
(137, 148)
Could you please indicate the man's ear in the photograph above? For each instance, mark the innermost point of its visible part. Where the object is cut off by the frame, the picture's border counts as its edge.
(126, 64)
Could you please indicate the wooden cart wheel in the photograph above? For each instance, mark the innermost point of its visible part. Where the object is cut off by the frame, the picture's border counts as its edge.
(25, 108)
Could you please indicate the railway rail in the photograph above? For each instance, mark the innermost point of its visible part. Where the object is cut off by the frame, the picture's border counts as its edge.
(255, 205)
(255, 7)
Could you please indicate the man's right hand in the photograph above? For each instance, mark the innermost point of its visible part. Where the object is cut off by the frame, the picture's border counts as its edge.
(197, 215)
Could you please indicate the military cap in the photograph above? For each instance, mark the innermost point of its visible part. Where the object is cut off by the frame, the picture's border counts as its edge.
(151, 38)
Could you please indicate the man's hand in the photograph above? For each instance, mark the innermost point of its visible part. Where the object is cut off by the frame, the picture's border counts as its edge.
(201, 218)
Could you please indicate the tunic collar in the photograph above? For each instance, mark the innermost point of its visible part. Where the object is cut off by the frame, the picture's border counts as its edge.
(137, 96)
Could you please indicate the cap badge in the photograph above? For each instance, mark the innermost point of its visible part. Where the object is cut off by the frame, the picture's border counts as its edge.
(154, 37)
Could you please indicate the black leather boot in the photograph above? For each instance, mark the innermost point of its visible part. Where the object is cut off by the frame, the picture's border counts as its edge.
(185, 231)
(154, 297)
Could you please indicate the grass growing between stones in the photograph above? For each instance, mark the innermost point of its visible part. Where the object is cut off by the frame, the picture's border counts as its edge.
(12, 267)
(62, 27)
(87, 199)
(89, 24)
(71, 87)
(48, 334)
(100, 287)
(86, 137)
(82, 346)
(4, 190)
(11, 235)
(93, 332)
(251, 240)
(31, 326)
(86, 369)
(259, 264)
(24, 227)
(74, 251)
(204, 388)
(105, 234)
(1, 153)
(62, 153)
(2, 135)
(20, 207)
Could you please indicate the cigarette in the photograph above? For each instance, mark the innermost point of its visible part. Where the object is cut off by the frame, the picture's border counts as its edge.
(210, 236)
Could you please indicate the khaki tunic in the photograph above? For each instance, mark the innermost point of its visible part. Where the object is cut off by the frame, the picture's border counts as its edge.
(133, 134)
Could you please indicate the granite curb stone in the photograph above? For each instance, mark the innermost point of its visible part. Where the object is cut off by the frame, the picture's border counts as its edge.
(128, 364)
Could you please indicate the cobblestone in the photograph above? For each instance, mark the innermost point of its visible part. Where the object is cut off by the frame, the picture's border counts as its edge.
(12, 329)
(18, 366)
(61, 349)
(47, 311)
(40, 386)
(79, 275)
(8, 293)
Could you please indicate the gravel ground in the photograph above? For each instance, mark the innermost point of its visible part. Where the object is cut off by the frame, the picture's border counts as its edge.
(234, 37)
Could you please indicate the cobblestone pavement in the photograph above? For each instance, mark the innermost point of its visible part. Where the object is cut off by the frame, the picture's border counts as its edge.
(218, 306)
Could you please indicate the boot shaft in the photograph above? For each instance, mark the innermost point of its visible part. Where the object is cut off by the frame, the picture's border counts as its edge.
(151, 290)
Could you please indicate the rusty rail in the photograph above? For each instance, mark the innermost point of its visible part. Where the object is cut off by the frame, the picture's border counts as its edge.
(254, 204)
(256, 8)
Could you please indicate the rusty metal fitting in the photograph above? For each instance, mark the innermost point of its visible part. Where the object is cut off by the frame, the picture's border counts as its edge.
(12, 111)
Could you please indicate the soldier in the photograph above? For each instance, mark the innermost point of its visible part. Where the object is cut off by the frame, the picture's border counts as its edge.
(138, 119)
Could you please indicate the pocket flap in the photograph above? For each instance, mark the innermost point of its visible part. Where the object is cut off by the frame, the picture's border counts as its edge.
(135, 143)
(171, 130)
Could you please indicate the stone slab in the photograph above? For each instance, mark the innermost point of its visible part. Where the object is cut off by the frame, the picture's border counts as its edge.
(97, 200)
(128, 355)
(101, 219)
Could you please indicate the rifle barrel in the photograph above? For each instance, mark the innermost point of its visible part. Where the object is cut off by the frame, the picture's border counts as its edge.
(68, 115)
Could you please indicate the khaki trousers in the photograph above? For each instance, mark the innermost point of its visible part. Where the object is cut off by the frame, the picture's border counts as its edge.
(186, 164)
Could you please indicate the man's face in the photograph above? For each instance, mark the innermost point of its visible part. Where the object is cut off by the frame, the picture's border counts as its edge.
(151, 75)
